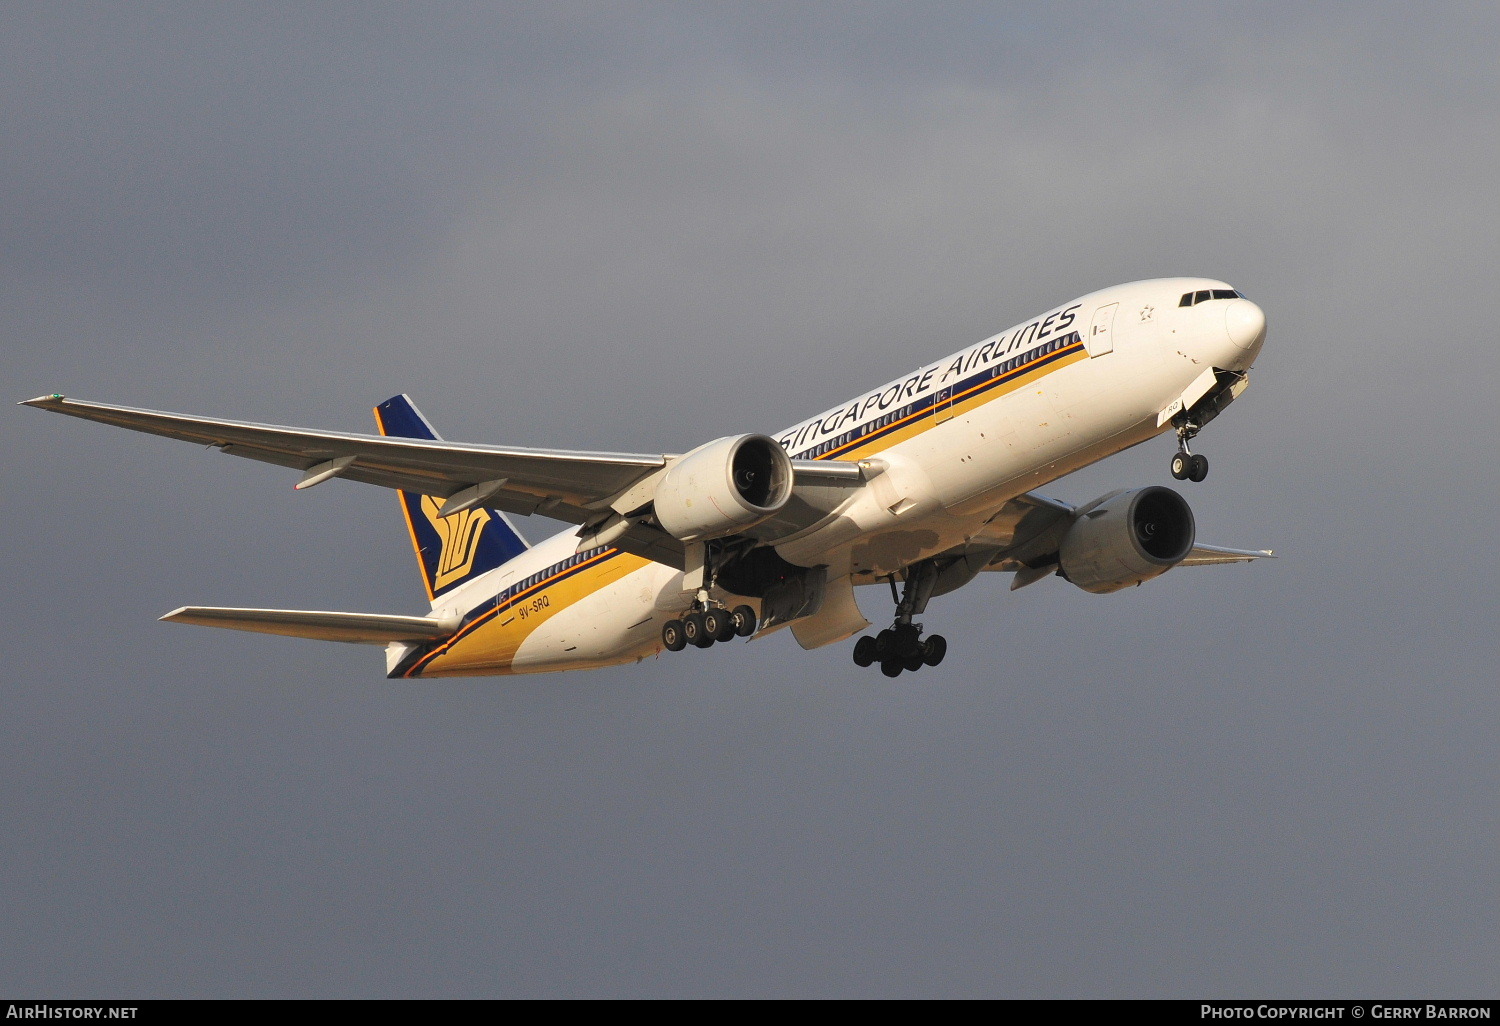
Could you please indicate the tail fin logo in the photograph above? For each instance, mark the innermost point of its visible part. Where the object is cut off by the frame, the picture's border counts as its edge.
(453, 549)
(460, 537)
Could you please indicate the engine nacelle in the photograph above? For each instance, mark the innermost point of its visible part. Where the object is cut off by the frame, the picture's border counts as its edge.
(723, 487)
(1127, 538)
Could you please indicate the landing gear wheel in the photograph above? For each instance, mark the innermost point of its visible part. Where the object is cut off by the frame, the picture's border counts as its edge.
(1198, 468)
(714, 622)
(1181, 466)
(933, 649)
(672, 636)
(692, 630)
(744, 621)
(900, 646)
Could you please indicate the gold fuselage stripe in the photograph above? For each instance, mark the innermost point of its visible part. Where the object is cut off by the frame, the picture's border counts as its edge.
(479, 619)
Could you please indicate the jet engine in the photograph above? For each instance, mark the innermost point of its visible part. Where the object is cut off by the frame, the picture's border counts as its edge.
(1126, 538)
(723, 487)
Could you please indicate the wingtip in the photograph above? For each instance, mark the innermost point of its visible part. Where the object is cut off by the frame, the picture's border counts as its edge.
(174, 614)
(43, 400)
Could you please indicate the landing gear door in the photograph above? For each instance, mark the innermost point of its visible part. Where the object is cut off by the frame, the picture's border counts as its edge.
(1101, 338)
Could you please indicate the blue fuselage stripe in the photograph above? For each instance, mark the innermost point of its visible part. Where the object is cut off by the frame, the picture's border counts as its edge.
(967, 388)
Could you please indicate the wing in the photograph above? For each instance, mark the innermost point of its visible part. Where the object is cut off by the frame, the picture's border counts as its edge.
(1024, 536)
(567, 486)
(1205, 555)
(575, 487)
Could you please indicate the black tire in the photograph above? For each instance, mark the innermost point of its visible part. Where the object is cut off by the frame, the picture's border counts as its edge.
(744, 621)
(692, 629)
(728, 631)
(913, 663)
(1181, 463)
(909, 644)
(933, 649)
(885, 644)
(714, 621)
(672, 636)
(891, 667)
(864, 651)
(1198, 468)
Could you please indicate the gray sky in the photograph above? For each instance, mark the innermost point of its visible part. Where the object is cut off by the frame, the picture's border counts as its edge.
(637, 227)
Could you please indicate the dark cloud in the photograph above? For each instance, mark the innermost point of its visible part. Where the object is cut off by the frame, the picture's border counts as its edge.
(637, 227)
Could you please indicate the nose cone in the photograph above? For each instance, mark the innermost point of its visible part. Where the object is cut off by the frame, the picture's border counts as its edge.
(1246, 323)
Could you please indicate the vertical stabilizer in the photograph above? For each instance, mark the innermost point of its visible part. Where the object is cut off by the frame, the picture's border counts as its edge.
(454, 549)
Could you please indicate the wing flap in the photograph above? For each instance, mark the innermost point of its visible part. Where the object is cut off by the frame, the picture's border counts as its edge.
(358, 628)
(836, 619)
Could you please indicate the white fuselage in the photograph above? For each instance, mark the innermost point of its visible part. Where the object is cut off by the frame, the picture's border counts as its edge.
(943, 449)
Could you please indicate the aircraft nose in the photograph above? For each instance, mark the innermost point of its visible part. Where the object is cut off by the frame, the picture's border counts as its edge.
(1246, 323)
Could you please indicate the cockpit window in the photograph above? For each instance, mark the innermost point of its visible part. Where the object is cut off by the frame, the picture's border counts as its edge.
(1204, 295)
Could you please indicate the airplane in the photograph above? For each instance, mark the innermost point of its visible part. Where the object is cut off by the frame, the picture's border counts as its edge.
(925, 482)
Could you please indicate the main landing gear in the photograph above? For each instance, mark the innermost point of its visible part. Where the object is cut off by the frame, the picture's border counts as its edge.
(709, 621)
(702, 627)
(901, 646)
(1185, 465)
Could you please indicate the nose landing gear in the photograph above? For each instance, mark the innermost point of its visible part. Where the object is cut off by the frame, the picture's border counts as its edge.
(901, 646)
(1186, 466)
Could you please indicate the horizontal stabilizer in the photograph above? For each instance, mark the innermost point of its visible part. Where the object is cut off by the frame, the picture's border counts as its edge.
(360, 628)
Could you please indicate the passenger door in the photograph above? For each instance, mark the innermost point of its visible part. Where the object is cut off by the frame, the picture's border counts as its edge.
(1101, 338)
